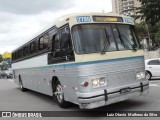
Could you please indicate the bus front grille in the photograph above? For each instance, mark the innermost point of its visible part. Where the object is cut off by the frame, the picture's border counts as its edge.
(122, 78)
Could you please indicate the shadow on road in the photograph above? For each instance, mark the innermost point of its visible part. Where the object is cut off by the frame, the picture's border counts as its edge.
(74, 110)
(154, 78)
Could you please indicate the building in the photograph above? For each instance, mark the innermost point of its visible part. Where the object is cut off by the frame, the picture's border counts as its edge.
(125, 7)
(116, 6)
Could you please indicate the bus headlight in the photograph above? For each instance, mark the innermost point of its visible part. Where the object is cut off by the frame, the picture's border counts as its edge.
(97, 82)
(140, 75)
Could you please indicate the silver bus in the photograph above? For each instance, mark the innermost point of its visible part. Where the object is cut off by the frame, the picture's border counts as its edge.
(89, 59)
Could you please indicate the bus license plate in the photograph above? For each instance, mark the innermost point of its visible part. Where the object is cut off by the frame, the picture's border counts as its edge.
(125, 90)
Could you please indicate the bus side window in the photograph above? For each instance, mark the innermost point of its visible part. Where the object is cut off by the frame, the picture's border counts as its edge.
(65, 42)
(41, 43)
(44, 42)
(57, 43)
(61, 47)
(56, 46)
(33, 47)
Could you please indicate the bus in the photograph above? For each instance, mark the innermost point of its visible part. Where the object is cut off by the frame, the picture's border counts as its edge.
(89, 59)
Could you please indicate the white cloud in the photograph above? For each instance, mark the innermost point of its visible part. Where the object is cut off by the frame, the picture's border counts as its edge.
(7, 48)
(18, 28)
(33, 6)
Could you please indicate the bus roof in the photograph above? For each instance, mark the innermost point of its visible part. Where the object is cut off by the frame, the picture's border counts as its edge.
(88, 18)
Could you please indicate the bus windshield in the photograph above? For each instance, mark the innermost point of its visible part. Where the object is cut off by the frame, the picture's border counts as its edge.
(94, 38)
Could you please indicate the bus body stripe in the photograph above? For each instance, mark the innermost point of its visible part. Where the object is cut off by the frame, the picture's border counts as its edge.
(84, 63)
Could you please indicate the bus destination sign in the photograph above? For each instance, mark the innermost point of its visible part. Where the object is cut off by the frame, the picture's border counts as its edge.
(107, 19)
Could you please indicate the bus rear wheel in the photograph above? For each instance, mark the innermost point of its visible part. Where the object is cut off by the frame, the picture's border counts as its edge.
(21, 85)
(59, 93)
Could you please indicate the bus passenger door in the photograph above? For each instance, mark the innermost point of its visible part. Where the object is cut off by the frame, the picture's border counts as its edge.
(62, 52)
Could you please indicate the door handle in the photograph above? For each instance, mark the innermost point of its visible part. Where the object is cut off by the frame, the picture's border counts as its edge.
(150, 67)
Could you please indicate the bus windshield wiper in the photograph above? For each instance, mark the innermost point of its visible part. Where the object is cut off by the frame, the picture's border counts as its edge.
(121, 36)
(106, 42)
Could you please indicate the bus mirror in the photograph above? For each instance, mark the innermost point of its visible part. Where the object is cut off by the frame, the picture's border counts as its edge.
(134, 47)
(67, 58)
(142, 46)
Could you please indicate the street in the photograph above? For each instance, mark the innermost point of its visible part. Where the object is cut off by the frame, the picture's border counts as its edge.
(12, 99)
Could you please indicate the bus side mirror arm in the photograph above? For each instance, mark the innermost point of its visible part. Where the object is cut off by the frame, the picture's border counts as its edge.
(67, 58)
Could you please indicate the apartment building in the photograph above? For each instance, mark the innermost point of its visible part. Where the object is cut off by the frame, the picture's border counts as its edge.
(116, 6)
(125, 7)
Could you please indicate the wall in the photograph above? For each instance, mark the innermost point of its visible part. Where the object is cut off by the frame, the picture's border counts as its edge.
(152, 54)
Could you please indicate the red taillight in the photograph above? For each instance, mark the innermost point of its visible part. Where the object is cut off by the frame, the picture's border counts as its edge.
(85, 84)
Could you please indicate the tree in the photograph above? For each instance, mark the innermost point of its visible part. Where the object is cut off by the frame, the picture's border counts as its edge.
(141, 30)
(157, 35)
(1, 59)
(143, 33)
(150, 11)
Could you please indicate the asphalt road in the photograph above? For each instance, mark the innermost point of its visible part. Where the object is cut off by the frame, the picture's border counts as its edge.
(12, 99)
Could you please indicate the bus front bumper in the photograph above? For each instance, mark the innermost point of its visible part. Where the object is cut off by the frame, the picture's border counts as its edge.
(106, 97)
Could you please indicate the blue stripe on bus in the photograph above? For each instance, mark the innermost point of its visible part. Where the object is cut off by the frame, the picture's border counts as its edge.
(85, 63)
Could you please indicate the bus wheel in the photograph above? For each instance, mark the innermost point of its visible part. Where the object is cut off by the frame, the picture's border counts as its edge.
(59, 93)
(21, 85)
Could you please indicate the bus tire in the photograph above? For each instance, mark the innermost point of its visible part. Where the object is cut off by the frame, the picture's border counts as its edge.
(21, 85)
(59, 94)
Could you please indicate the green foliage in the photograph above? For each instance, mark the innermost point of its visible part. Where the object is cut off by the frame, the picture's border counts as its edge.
(141, 30)
(150, 11)
(1, 58)
(157, 37)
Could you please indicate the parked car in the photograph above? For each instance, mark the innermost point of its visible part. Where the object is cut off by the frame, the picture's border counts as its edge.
(152, 67)
(4, 74)
(9, 73)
